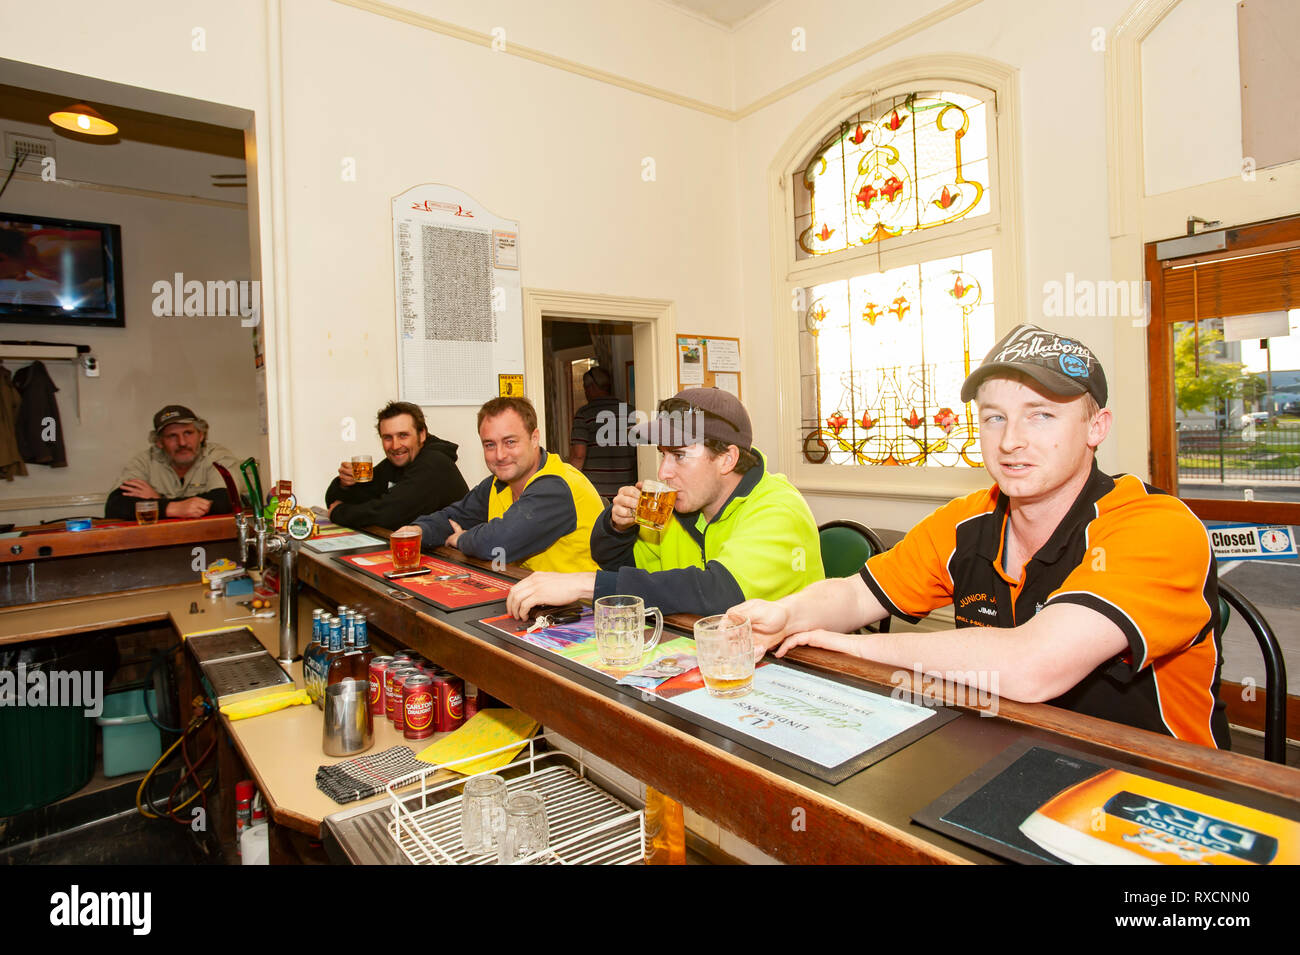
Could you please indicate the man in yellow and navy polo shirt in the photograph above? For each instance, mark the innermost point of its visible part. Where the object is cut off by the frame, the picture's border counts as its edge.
(1100, 593)
(738, 530)
(535, 509)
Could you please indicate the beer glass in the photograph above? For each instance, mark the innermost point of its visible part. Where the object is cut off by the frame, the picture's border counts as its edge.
(525, 832)
(363, 468)
(620, 630)
(146, 512)
(655, 505)
(725, 651)
(482, 813)
(406, 548)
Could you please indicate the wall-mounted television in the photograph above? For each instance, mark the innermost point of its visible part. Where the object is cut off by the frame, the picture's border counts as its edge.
(60, 272)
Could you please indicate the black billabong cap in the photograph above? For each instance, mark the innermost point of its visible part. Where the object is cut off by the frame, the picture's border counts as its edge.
(1061, 365)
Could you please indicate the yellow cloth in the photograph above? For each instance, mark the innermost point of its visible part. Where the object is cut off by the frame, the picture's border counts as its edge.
(485, 730)
(242, 709)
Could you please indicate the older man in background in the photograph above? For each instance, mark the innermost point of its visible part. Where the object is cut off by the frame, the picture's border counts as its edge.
(176, 470)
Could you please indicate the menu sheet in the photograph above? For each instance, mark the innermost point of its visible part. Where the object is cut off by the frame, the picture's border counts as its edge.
(478, 590)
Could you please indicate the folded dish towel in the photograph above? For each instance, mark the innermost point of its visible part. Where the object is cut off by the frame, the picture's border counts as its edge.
(364, 776)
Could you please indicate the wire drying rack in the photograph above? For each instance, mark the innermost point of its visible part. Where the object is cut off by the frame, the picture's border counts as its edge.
(587, 825)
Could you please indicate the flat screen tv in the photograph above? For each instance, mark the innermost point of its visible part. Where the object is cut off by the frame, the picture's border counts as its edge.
(60, 272)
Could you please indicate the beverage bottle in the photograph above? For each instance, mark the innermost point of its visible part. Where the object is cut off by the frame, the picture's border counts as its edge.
(360, 657)
(334, 660)
(665, 830)
(309, 656)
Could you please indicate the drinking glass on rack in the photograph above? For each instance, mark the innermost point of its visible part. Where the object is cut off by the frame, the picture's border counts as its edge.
(482, 813)
(146, 512)
(406, 548)
(525, 831)
(725, 651)
(620, 630)
(363, 468)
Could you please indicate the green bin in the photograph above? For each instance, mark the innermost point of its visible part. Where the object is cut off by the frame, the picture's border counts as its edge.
(48, 752)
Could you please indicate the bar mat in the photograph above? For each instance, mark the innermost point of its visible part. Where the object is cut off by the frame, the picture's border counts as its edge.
(730, 728)
(365, 776)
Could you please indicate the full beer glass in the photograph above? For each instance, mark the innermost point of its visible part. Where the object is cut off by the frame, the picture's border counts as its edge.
(406, 549)
(363, 468)
(656, 505)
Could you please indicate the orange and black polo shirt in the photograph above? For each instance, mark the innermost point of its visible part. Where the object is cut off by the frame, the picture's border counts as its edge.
(1130, 552)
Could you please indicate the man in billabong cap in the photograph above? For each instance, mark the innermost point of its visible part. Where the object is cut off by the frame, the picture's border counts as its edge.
(175, 470)
(737, 530)
(1098, 593)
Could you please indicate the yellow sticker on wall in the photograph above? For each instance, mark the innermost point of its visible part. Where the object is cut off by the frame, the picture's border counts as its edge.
(510, 386)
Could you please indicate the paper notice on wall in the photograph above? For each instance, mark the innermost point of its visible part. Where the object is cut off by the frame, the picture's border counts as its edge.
(690, 361)
(728, 383)
(724, 356)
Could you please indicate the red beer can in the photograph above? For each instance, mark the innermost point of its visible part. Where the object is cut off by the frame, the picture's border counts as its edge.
(418, 707)
(471, 701)
(400, 677)
(378, 690)
(451, 702)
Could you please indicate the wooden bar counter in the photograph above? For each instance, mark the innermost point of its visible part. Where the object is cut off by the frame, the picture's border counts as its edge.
(785, 813)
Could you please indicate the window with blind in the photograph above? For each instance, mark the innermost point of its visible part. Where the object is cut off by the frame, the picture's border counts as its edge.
(1224, 349)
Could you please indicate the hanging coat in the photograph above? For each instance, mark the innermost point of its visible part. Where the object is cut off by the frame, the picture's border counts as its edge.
(40, 432)
(11, 461)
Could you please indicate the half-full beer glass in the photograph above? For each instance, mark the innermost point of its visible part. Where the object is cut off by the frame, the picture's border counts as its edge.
(725, 651)
(620, 630)
(406, 548)
(655, 505)
(146, 512)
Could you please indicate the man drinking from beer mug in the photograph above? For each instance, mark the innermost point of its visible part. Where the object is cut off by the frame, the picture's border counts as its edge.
(736, 531)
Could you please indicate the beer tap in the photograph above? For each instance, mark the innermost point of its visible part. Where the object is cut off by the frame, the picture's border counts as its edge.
(287, 548)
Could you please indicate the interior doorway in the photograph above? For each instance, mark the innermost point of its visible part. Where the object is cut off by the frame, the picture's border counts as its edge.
(561, 328)
(571, 350)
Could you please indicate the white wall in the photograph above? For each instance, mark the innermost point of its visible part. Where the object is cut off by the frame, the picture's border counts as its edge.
(1191, 97)
(560, 153)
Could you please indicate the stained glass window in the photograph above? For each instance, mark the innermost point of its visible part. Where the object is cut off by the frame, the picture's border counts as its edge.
(904, 164)
(883, 357)
(886, 339)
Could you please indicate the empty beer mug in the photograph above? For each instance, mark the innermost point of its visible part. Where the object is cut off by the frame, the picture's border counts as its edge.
(620, 630)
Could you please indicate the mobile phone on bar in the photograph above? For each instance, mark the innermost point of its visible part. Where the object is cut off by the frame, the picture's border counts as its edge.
(399, 574)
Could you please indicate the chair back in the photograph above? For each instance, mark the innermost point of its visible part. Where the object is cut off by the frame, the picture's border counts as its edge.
(1274, 668)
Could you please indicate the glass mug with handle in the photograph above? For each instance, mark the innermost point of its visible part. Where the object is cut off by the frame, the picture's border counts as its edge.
(655, 506)
(620, 630)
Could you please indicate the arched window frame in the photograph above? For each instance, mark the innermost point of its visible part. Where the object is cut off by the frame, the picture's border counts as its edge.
(999, 231)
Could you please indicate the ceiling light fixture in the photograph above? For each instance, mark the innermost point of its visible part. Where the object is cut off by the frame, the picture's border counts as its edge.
(81, 118)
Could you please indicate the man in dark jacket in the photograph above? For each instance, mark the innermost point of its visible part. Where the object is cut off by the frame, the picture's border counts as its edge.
(418, 476)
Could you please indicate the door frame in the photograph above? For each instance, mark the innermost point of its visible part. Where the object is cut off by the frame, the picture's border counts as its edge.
(1160, 361)
(654, 334)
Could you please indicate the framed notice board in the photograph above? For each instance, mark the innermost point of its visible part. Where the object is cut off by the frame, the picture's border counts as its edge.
(711, 361)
